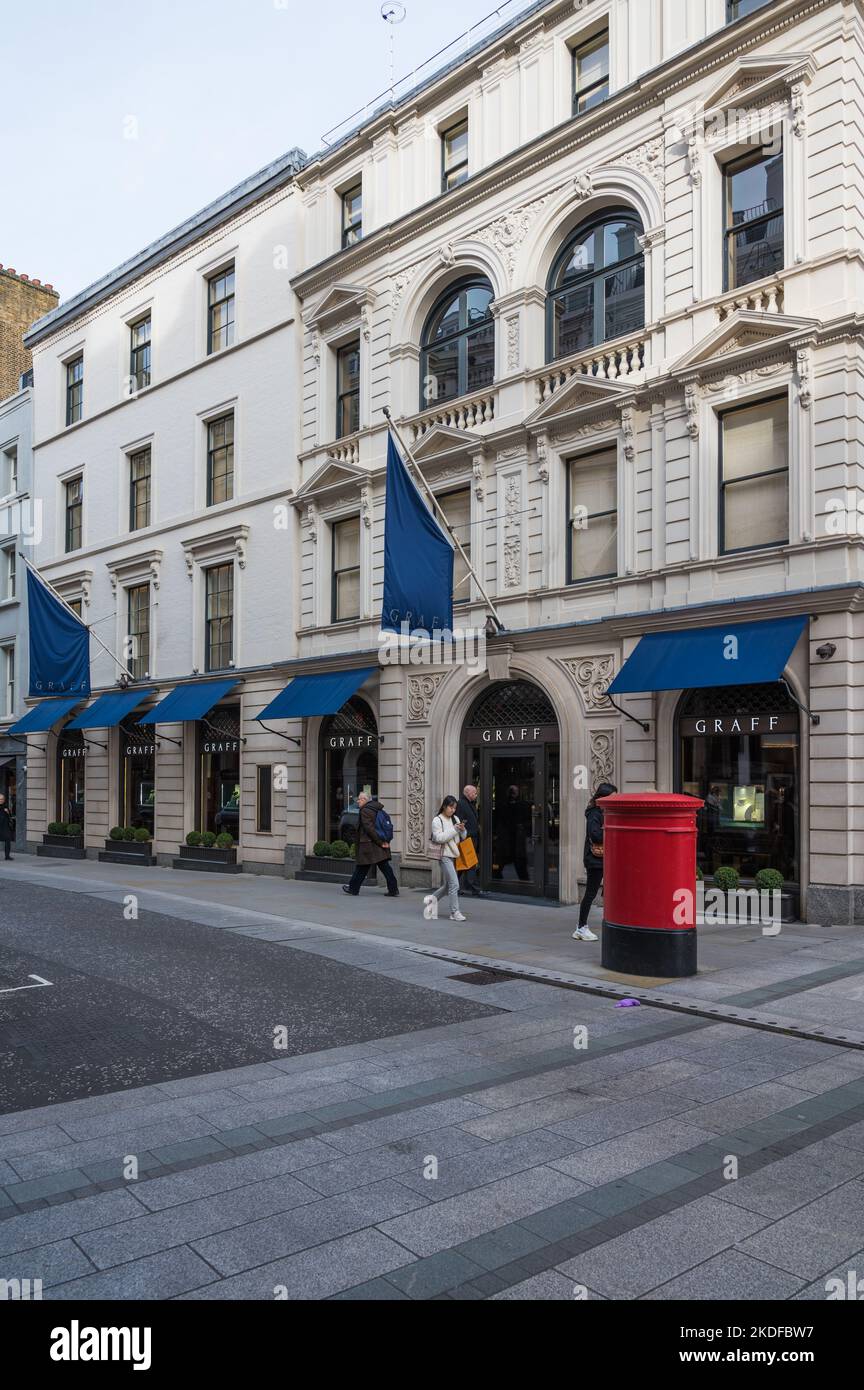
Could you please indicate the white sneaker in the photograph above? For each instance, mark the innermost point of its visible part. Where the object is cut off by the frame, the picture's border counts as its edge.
(457, 917)
(584, 934)
(430, 908)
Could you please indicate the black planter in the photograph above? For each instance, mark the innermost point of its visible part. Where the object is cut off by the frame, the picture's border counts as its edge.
(62, 847)
(215, 861)
(127, 852)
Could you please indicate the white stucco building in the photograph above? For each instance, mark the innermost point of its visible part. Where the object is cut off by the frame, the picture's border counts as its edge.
(606, 271)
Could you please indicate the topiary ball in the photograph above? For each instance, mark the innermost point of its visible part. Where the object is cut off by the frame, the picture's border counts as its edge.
(208, 839)
(225, 840)
(193, 839)
(321, 849)
(129, 833)
(726, 879)
(116, 832)
(73, 829)
(340, 849)
(142, 834)
(56, 828)
(769, 881)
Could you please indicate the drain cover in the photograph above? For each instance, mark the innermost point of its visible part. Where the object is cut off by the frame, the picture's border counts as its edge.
(482, 977)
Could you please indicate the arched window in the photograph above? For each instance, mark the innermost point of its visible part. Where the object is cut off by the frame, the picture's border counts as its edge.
(597, 286)
(458, 344)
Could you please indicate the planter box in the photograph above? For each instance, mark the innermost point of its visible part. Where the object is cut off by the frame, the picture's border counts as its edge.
(127, 852)
(324, 868)
(215, 861)
(62, 847)
(751, 913)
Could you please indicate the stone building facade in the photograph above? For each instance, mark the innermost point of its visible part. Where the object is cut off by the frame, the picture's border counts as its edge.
(22, 301)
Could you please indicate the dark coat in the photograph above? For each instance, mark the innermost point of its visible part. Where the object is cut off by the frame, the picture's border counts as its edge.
(593, 836)
(6, 832)
(370, 847)
(467, 813)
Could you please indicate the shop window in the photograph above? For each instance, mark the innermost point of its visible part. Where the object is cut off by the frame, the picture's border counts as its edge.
(597, 287)
(456, 506)
(754, 220)
(591, 73)
(454, 156)
(754, 476)
(219, 636)
(592, 517)
(349, 765)
(220, 310)
(345, 596)
(458, 344)
(264, 804)
(738, 751)
(137, 776)
(219, 746)
(348, 390)
(71, 774)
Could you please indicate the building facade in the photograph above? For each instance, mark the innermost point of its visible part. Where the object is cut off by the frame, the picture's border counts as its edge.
(606, 273)
(19, 526)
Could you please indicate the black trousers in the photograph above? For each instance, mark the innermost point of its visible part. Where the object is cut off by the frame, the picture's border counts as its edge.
(359, 875)
(7, 845)
(592, 888)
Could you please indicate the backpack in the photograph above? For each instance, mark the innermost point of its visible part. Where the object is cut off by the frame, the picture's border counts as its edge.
(383, 826)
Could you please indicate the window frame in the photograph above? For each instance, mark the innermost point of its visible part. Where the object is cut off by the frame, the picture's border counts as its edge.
(570, 582)
(143, 672)
(344, 396)
(10, 574)
(722, 485)
(459, 287)
(463, 165)
(212, 451)
(74, 390)
(260, 827)
(10, 468)
(69, 526)
(136, 370)
(733, 14)
(590, 227)
(441, 498)
(335, 573)
(580, 50)
(229, 327)
(135, 506)
(352, 231)
(729, 169)
(10, 676)
(226, 566)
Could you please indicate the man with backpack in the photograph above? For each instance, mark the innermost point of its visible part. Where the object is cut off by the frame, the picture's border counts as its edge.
(374, 837)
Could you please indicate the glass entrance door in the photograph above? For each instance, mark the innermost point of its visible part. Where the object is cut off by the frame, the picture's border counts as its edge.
(513, 848)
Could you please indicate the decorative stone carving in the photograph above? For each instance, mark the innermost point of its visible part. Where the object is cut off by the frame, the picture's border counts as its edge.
(401, 283)
(629, 433)
(694, 160)
(366, 507)
(415, 776)
(513, 532)
(309, 522)
(583, 187)
(479, 478)
(730, 383)
(602, 756)
(691, 403)
(513, 343)
(648, 159)
(446, 254)
(366, 323)
(799, 110)
(803, 366)
(315, 347)
(593, 675)
(421, 693)
(542, 460)
(507, 234)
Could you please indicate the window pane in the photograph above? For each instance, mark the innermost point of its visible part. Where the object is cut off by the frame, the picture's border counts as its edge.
(456, 146)
(442, 373)
(593, 63)
(594, 483)
(582, 260)
(755, 440)
(481, 358)
(625, 301)
(757, 512)
(347, 595)
(574, 321)
(595, 549)
(620, 242)
(349, 368)
(346, 544)
(457, 509)
(477, 301)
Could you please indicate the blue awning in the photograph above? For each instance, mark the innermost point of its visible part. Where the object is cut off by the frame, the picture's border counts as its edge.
(310, 695)
(734, 654)
(109, 709)
(188, 702)
(44, 716)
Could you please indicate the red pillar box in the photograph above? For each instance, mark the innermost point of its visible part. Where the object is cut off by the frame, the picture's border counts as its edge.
(649, 867)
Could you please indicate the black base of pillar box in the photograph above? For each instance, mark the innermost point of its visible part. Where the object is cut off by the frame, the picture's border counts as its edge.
(646, 951)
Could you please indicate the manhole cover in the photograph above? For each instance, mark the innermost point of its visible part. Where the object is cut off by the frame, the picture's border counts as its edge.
(481, 977)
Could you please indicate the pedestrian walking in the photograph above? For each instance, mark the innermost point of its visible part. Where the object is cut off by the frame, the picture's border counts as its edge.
(447, 834)
(5, 827)
(593, 858)
(374, 835)
(466, 810)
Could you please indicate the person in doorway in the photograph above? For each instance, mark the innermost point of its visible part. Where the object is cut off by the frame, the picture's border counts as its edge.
(466, 810)
(374, 833)
(593, 859)
(447, 831)
(514, 831)
(6, 833)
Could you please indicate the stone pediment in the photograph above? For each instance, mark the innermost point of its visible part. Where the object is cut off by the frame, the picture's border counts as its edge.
(340, 302)
(754, 77)
(580, 394)
(442, 440)
(331, 474)
(743, 333)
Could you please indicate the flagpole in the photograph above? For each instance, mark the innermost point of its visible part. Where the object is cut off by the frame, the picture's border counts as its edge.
(451, 533)
(69, 609)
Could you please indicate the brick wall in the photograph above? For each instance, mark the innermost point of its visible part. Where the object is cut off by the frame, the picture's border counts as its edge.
(22, 301)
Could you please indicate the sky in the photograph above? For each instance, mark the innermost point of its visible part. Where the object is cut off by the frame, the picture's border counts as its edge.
(121, 120)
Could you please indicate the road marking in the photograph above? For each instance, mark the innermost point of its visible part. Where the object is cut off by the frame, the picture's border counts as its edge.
(40, 984)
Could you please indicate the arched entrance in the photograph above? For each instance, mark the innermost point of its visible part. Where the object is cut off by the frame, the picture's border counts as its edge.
(348, 745)
(738, 750)
(511, 751)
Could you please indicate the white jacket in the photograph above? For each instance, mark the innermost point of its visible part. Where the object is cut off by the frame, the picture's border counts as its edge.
(447, 833)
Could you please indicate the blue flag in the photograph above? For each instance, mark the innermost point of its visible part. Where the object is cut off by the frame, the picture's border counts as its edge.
(418, 558)
(59, 644)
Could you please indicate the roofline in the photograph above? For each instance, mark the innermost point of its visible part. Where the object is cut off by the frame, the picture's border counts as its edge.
(251, 190)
